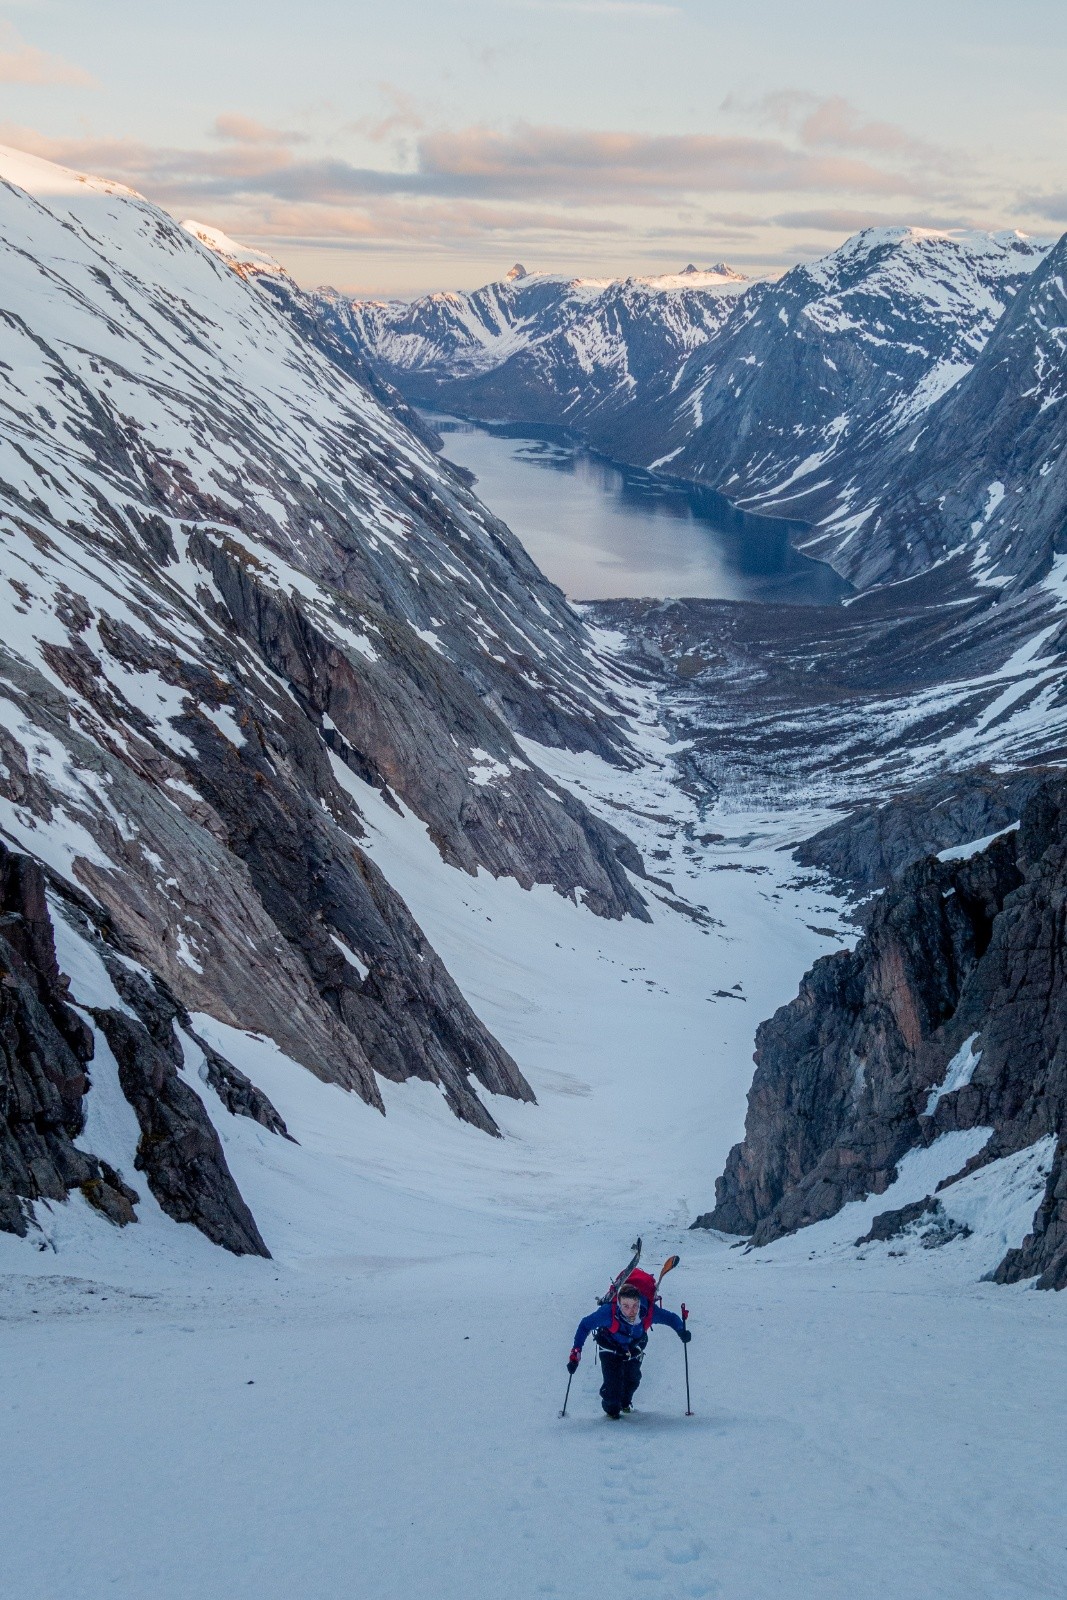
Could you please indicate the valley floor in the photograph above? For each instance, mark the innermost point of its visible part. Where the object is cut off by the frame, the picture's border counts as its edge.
(375, 1411)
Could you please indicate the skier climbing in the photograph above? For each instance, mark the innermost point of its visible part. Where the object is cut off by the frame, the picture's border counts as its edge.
(620, 1328)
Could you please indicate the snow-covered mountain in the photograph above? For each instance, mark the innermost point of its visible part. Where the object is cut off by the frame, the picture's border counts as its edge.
(304, 772)
(237, 591)
(538, 347)
(789, 397)
(814, 372)
(982, 474)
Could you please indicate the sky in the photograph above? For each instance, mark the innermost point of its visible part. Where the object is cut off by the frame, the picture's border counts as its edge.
(415, 146)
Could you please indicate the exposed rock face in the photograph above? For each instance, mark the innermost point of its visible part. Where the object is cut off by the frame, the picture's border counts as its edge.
(928, 1217)
(961, 958)
(179, 1151)
(874, 843)
(45, 1050)
(162, 1016)
(1043, 1253)
(237, 591)
(840, 1070)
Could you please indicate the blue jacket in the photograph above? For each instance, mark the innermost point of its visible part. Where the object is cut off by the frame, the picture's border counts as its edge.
(627, 1334)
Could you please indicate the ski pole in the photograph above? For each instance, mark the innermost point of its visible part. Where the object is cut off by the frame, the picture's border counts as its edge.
(685, 1352)
(567, 1396)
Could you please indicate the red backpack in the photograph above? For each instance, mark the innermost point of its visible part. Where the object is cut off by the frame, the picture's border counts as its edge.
(645, 1284)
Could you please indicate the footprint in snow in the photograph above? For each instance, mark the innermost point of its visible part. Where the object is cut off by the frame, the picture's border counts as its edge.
(634, 1541)
(686, 1551)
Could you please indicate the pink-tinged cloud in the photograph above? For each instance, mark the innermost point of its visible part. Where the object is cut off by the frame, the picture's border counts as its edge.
(530, 165)
(403, 116)
(584, 163)
(848, 220)
(23, 63)
(246, 130)
(834, 123)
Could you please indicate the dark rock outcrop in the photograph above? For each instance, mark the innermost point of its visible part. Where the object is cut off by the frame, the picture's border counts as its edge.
(179, 1151)
(45, 1051)
(239, 1094)
(928, 1218)
(840, 1071)
(876, 841)
(958, 954)
(162, 1015)
(1043, 1253)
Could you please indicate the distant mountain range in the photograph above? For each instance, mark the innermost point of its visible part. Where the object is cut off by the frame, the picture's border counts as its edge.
(536, 347)
(807, 397)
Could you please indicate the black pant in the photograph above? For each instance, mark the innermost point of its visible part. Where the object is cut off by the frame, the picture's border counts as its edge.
(622, 1374)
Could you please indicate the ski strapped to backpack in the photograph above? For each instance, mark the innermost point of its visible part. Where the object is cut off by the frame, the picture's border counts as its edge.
(647, 1287)
(613, 1286)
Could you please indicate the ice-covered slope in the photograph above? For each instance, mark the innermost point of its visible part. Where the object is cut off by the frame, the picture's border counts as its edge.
(541, 348)
(232, 580)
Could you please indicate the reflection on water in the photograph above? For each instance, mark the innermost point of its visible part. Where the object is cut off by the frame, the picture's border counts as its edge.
(604, 532)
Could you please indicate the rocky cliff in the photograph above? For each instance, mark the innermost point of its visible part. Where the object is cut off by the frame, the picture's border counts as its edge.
(47, 1050)
(239, 594)
(948, 1015)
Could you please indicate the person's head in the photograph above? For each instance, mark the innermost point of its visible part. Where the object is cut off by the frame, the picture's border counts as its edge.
(629, 1302)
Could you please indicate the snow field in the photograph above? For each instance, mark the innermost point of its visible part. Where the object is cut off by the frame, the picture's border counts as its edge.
(375, 1411)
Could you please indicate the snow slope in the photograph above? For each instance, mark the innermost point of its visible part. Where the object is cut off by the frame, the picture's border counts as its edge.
(224, 561)
(376, 1410)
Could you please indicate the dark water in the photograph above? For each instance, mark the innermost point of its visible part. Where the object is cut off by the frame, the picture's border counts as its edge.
(604, 532)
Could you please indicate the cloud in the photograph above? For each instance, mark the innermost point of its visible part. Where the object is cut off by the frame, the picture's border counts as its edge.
(564, 194)
(246, 130)
(23, 63)
(532, 165)
(582, 163)
(846, 220)
(403, 116)
(841, 220)
(1051, 206)
(832, 123)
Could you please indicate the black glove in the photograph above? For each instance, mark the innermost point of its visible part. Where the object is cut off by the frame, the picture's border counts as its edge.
(685, 1336)
(572, 1364)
